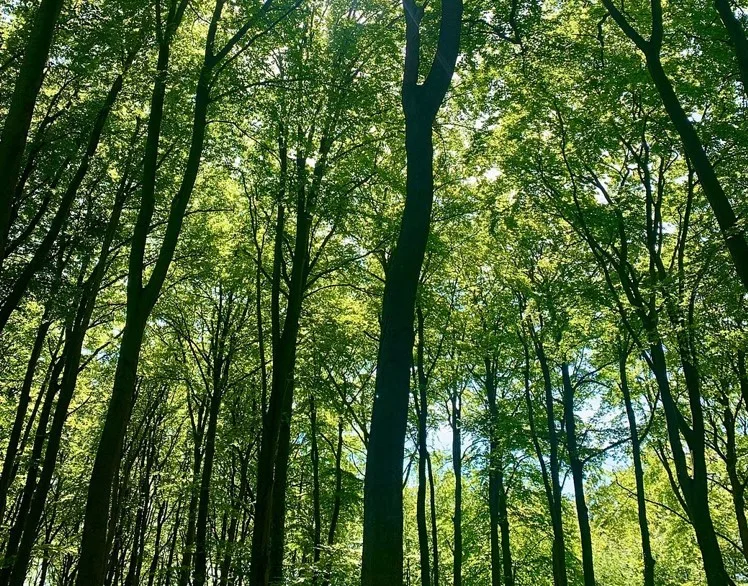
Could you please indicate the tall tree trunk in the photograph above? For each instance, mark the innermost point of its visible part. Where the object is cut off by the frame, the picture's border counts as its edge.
(70, 363)
(268, 537)
(12, 450)
(577, 473)
(456, 421)
(434, 528)
(21, 109)
(142, 298)
(160, 521)
(501, 552)
(730, 457)
(32, 475)
(201, 536)
(336, 501)
(737, 37)
(421, 403)
(694, 488)
(732, 231)
(316, 506)
(506, 549)
(189, 537)
(382, 560)
(555, 500)
(641, 500)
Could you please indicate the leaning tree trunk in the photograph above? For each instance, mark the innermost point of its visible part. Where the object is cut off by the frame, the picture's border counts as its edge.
(141, 297)
(732, 230)
(737, 37)
(382, 561)
(11, 452)
(21, 110)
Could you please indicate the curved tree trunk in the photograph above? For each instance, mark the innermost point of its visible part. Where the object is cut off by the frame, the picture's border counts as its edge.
(382, 560)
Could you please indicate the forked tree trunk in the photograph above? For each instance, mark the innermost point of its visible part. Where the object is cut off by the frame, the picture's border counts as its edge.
(382, 561)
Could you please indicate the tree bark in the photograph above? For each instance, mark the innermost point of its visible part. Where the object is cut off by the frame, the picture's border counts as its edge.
(21, 109)
(11, 452)
(501, 552)
(555, 503)
(577, 473)
(737, 37)
(141, 299)
(421, 402)
(732, 231)
(382, 560)
(456, 422)
(641, 500)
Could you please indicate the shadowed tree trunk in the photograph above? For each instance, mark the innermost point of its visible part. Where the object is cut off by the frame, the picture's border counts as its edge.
(550, 477)
(577, 473)
(21, 109)
(737, 37)
(501, 552)
(141, 297)
(22, 282)
(382, 561)
(70, 363)
(732, 231)
(336, 501)
(11, 451)
(455, 421)
(421, 404)
(641, 500)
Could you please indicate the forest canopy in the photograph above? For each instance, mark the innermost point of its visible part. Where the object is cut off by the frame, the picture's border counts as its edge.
(373, 292)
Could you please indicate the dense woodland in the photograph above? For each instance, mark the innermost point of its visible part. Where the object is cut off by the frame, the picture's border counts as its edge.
(377, 292)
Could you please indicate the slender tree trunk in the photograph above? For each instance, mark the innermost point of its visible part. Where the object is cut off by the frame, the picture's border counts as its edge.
(434, 528)
(732, 231)
(21, 284)
(316, 506)
(555, 501)
(641, 500)
(70, 363)
(189, 538)
(336, 501)
(160, 520)
(32, 476)
(456, 421)
(268, 537)
(506, 549)
(577, 473)
(737, 37)
(18, 118)
(501, 552)
(201, 536)
(140, 302)
(11, 452)
(695, 489)
(421, 402)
